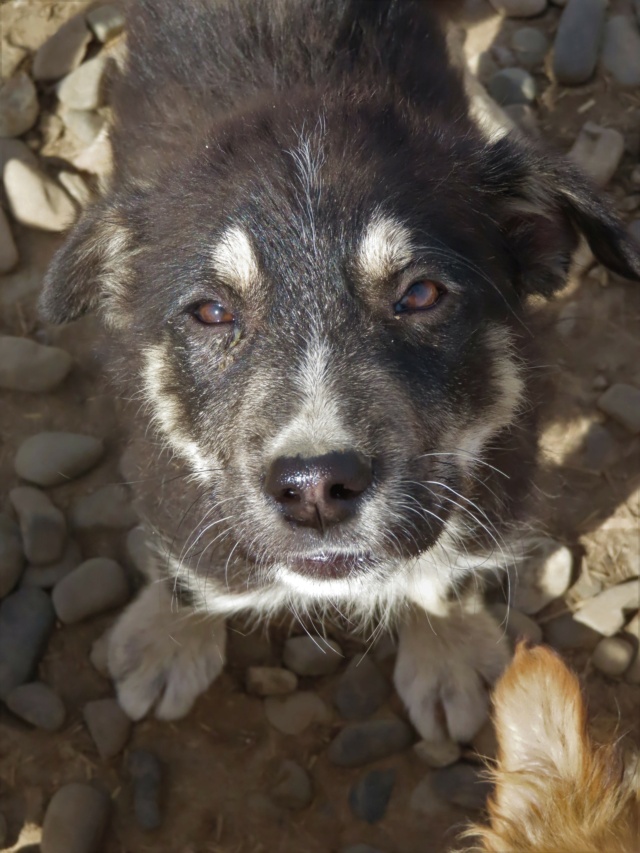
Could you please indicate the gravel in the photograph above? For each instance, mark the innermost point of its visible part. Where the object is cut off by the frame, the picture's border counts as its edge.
(18, 105)
(370, 795)
(76, 820)
(463, 785)
(270, 681)
(108, 507)
(63, 51)
(577, 41)
(106, 22)
(97, 585)
(598, 151)
(11, 555)
(604, 613)
(15, 149)
(361, 743)
(83, 88)
(37, 704)
(361, 689)
(517, 625)
(42, 525)
(47, 576)
(612, 656)
(28, 366)
(530, 46)
(544, 577)
(295, 713)
(312, 655)
(52, 458)
(290, 785)
(512, 86)
(108, 725)
(8, 250)
(85, 125)
(146, 772)
(26, 622)
(437, 753)
(622, 403)
(621, 50)
(519, 8)
(35, 199)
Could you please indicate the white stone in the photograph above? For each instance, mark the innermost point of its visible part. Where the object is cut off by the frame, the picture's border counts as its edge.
(612, 656)
(545, 576)
(35, 199)
(437, 753)
(82, 89)
(598, 150)
(604, 613)
(63, 51)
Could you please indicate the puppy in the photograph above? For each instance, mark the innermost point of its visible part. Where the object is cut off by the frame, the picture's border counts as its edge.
(555, 790)
(313, 269)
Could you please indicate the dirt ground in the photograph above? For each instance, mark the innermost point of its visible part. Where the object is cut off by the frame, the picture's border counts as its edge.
(213, 796)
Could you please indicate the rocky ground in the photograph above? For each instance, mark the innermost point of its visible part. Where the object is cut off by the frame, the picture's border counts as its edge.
(298, 747)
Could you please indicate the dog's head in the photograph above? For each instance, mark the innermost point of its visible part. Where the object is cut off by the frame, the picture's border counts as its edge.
(555, 790)
(321, 301)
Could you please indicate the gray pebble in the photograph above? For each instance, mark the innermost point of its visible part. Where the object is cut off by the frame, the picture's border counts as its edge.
(621, 50)
(463, 785)
(252, 649)
(48, 576)
(26, 622)
(8, 250)
(290, 785)
(76, 820)
(622, 403)
(362, 743)
(52, 458)
(612, 656)
(544, 577)
(577, 41)
(599, 448)
(108, 507)
(108, 725)
(512, 86)
(28, 366)
(35, 199)
(95, 586)
(146, 771)
(63, 51)
(42, 525)
(437, 753)
(106, 22)
(312, 655)
(605, 613)
(85, 125)
(361, 689)
(138, 549)
(518, 625)
(503, 55)
(18, 105)
(295, 713)
(598, 151)
(424, 798)
(519, 8)
(370, 795)
(530, 46)
(11, 555)
(270, 681)
(565, 634)
(37, 704)
(83, 88)
(524, 117)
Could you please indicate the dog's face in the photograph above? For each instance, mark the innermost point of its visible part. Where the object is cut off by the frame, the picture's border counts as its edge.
(324, 315)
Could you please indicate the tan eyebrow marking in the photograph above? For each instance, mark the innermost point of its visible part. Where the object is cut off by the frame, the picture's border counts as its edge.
(234, 258)
(385, 247)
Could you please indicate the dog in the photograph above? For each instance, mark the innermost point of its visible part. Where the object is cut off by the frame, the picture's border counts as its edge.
(555, 790)
(313, 270)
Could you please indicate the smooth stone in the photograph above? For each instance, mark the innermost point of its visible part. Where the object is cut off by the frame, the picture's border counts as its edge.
(15, 149)
(622, 403)
(530, 46)
(11, 57)
(370, 795)
(138, 550)
(462, 785)
(424, 799)
(604, 613)
(28, 366)
(85, 125)
(598, 151)
(585, 587)
(599, 448)
(53, 458)
(546, 575)
(577, 42)
(518, 626)
(108, 507)
(290, 785)
(270, 681)
(19, 106)
(47, 576)
(524, 117)
(27, 618)
(362, 743)
(252, 649)
(106, 22)
(312, 655)
(63, 51)
(437, 753)
(621, 50)
(519, 8)
(361, 689)
(76, 186)
(108, 725)
(612, 656)
(8, 250)
(35, 199)
(296, 712)
(512, 86)
(97, 585)
(565, 634)
(36, 703)
(82, 89)
(76, 820)
(11, 555)
(42, 525)
(146, 772)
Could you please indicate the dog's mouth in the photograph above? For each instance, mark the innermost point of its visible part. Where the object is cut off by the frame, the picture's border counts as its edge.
(331, 565)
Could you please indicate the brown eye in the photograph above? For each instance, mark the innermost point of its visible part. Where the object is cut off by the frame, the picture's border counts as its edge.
(212, 314)
(421, 296)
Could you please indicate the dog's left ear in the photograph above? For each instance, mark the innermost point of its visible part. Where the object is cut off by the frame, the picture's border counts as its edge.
(547, 203)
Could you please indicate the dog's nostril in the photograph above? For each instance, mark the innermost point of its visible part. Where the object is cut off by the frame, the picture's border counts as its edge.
(341, 493)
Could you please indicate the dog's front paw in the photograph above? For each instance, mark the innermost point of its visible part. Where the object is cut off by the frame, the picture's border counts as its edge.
(163, 660)
(444, 668)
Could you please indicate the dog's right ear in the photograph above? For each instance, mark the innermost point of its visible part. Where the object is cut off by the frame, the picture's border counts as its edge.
(86, 270)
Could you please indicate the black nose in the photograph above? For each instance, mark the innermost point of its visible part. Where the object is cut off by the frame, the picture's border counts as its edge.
(319, 491)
